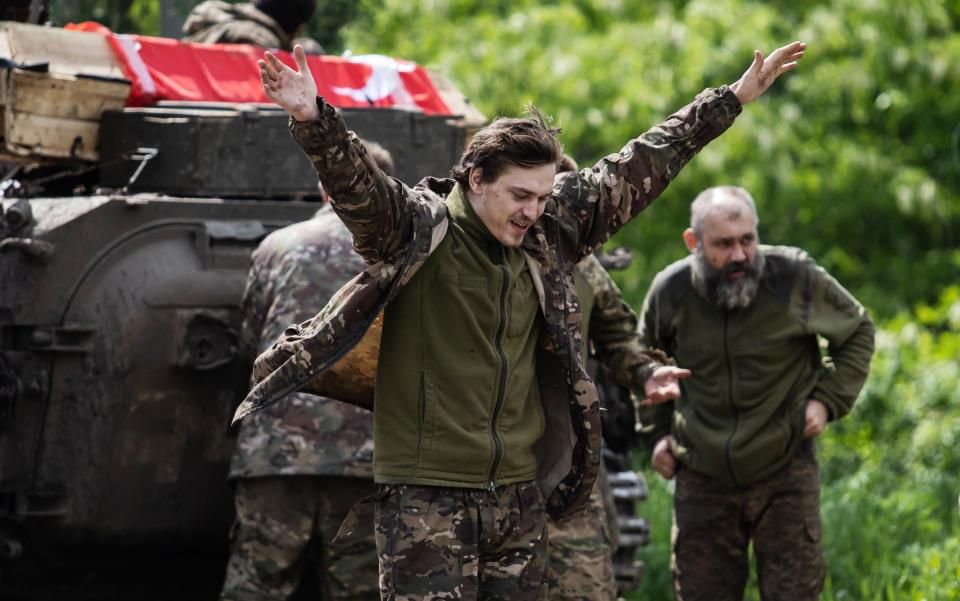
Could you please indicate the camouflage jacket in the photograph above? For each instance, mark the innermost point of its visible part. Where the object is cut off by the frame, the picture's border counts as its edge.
(294, 273)
(218, 22)
(395, 228)
(612, 327)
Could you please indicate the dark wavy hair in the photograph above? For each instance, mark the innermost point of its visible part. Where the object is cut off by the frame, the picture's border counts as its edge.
(528, 141)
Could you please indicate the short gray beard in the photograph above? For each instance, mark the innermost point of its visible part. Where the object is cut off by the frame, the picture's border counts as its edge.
(712, 284)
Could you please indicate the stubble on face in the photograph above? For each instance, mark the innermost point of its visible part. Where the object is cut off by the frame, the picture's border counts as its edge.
(512, 203)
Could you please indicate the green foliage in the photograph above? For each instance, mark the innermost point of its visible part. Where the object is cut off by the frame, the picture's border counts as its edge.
(330, 17)
(854, 157)
(889, 470)
(141, 16)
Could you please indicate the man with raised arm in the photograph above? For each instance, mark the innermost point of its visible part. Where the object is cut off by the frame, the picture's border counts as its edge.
(485, 418)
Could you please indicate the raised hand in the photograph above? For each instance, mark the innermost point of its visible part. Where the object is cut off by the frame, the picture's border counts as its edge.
(294, 91)
(663, 385)
(764, 72)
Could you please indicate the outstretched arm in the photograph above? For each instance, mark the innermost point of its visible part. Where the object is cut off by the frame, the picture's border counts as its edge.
(602, 199)
(376, 208)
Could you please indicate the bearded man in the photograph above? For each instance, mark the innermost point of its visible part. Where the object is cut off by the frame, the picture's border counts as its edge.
(745, 319)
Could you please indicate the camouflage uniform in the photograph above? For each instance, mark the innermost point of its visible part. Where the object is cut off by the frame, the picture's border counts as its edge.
(581, 552)
(582, 545)
(301, 463)
(443, 542)
(714, 523)
(396, 229)
(218, 22)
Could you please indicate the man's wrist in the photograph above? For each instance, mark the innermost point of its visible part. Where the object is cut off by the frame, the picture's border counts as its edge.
(643, 373)
(311, 112)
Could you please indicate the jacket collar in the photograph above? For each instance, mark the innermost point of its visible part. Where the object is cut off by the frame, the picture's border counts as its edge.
(463, 214)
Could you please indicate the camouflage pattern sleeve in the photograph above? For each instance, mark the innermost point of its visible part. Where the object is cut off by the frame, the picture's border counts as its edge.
(602, 199)
(216, 22)
(377, 209)
(613, 330)
(656, 421)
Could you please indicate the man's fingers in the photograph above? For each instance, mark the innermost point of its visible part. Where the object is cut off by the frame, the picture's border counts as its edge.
(785, 55)
(795, 56)
(812, 428)
(266, 69)
(300, 57)
(266, 73)
(665, 465)
(682, 374)
(268, 88)
(787, 67)
(757, 62)
(275, 63)
(269, 85)
(783, 52)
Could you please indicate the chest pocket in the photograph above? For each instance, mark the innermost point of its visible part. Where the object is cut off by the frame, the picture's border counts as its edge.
(523, 305)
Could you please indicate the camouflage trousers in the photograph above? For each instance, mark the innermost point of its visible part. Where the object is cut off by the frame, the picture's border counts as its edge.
(714, 524)
(456, 543)
(285, 526)
(581, 552)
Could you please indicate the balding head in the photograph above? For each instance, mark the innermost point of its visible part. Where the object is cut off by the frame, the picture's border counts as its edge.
(727, 262)
(721, 202)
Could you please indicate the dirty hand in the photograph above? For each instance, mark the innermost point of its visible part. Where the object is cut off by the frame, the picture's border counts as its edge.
(294, 91)
(663, 385)
(816, 419)
(664, 462)
(764, 72)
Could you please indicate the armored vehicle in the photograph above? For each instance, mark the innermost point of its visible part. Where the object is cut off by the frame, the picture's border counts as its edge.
(122, 264)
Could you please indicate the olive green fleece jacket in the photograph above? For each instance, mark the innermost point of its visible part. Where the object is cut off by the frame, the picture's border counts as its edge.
(467, 326)
(741, 416)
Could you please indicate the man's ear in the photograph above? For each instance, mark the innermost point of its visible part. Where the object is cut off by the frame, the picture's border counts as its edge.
(690, 239)
(475, 179)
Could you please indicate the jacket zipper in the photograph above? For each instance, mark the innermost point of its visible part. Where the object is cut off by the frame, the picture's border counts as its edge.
(733, 406)
(502, 382)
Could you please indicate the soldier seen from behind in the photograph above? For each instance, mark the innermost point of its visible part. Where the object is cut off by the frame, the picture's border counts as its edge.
(485, 418)
(582, 545)
(264, 23)
(299, 465)
(746, 319)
